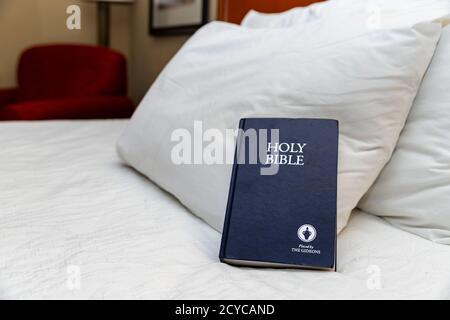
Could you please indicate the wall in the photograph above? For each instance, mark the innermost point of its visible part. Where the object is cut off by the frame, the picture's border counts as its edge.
(24, 23)
(150, 54)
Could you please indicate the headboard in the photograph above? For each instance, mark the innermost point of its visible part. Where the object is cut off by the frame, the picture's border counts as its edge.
(235, 10)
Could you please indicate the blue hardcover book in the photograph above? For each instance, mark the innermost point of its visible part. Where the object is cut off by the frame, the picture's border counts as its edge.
(281, 208)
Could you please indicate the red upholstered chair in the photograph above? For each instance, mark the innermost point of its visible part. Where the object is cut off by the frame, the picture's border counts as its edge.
(68, 82)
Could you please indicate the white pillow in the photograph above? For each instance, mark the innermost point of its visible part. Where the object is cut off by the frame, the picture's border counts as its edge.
(413, 190)
(371, 14)
(225, 72)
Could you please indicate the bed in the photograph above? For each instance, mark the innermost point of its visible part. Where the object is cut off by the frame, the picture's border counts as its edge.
(77, 224)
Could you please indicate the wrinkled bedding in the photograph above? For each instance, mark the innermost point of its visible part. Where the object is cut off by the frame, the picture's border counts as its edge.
(75, 223)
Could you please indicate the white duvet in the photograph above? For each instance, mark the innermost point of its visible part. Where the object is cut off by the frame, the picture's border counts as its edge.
(76, 223)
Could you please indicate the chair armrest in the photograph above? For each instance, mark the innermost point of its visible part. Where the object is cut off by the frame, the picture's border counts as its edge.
(96, 107)
(8, 96)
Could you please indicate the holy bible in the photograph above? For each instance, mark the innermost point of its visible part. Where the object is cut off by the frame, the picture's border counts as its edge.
(281, 208)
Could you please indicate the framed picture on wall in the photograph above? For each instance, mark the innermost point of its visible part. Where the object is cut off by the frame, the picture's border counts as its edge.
(172, 17)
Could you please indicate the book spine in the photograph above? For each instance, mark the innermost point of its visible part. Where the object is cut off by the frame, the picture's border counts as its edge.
(335, 216)
(226, 223)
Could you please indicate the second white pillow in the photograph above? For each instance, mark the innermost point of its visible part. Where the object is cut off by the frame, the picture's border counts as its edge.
(365, 14)
(413, 190)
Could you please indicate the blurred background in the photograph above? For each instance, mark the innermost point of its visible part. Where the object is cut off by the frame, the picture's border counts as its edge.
(26, 23)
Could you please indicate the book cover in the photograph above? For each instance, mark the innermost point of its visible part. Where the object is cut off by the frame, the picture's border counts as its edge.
(281, 208)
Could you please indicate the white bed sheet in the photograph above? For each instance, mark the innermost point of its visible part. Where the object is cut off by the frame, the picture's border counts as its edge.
(67, 204)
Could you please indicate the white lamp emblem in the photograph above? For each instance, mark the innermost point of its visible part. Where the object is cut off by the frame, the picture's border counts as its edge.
(307, 233)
